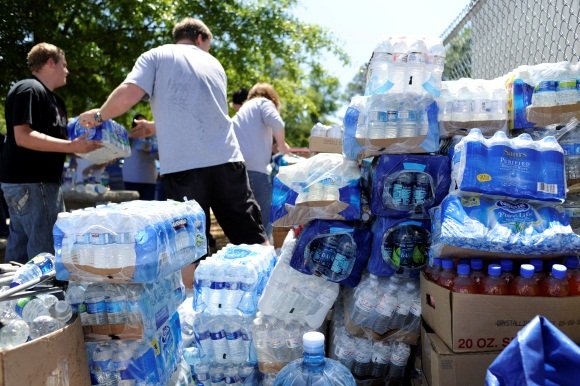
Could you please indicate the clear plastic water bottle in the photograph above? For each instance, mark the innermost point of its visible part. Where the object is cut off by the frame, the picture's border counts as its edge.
(35, 268)
(378, 72)
(43, 325)
(96, 303)
(385, 308)
(381, 359)
(218, 340)
(363, 358)
(402, 190)
(314, 368)
(216, 375)
(30, 308)
(404, 301)
(398, 71)
(365, 301)
(422, 189)
(61, 311)
(407, 120)
(116, 304)
(416, 54)
(571, 144)
(399, 357)
(463, 105)
(202, 374)
(382, 117)
(13, 332)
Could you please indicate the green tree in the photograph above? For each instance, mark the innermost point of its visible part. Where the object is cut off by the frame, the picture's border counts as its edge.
(255, 40)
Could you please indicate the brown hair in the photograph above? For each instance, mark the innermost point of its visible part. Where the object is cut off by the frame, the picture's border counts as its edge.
(190, 28)
(265, 90)
(41, 53)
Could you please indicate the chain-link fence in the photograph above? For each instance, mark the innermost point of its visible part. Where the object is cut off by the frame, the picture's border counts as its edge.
(492, 37)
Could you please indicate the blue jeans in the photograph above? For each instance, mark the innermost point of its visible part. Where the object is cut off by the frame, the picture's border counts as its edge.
(262, 187)
(33, 211)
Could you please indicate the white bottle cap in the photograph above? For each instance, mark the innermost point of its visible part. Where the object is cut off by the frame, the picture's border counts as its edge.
(313, 342)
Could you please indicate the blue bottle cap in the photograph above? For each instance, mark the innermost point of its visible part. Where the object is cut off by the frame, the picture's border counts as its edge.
(477, 264)
(538, 264)
(447, 263)
(526, 270)
(572, 262)
(507, 265)
(437, 262)
(494, 270)
(559, 271)
(463, 269)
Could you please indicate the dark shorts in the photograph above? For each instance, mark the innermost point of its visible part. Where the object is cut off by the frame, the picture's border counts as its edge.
(226, 190)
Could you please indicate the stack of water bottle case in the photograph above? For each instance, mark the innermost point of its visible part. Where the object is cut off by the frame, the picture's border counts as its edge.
(122, 262)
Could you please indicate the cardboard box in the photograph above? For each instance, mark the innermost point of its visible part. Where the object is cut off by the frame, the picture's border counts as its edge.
(474, 323)
(279, 235)
(443, 367)
(325, 145)
(548, 115)
(58, 358)
(406, 145)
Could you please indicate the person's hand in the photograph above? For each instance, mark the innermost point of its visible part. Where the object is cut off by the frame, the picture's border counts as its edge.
(87, 119)
(83, 145)
(283, 148)
(142, 129)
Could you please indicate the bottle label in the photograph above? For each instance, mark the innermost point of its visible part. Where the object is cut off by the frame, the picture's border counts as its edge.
(387, 306)
(365, 304)
(415, 308)
(293, 342)
(571, 149)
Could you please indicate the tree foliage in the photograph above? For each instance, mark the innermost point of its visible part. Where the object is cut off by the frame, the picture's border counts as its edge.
(255, 40)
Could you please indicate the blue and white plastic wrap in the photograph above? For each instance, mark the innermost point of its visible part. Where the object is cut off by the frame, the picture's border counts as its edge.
(399, 246)
(335, 250)
(510, 167)
(408, 185)
(511, 227)
(114, 137)
(373, 127)
(131, 242)
(232, 280)
(148, 361)
(325, 186)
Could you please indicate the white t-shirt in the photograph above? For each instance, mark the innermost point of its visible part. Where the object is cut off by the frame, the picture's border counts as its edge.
(253, 125)
(187, 90)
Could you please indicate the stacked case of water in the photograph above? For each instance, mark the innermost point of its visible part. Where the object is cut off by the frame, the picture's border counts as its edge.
(472, 103)
(125, 311)
(293, 296)
(367, 354)
(335, 250)
(517, 167)
(543, 94)
(505, 226)
(316, 188)
(232, 280)
(113, 136)
(131, 242)
(408, 185)
(148, 361)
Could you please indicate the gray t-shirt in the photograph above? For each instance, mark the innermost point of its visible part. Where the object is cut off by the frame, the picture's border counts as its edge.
(187, 90)
(253, 125)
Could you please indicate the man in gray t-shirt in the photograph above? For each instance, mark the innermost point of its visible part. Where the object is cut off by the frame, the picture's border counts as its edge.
(199, 155)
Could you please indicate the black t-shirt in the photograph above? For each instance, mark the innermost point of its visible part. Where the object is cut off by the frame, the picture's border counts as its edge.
(30, 102)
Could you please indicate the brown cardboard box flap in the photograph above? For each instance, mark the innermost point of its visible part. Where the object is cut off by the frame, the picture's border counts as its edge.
(325, 145)
(58, 358)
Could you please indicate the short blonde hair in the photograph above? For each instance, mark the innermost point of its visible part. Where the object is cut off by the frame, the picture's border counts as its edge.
(41, 53)
(190, 28)
(267, 91)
